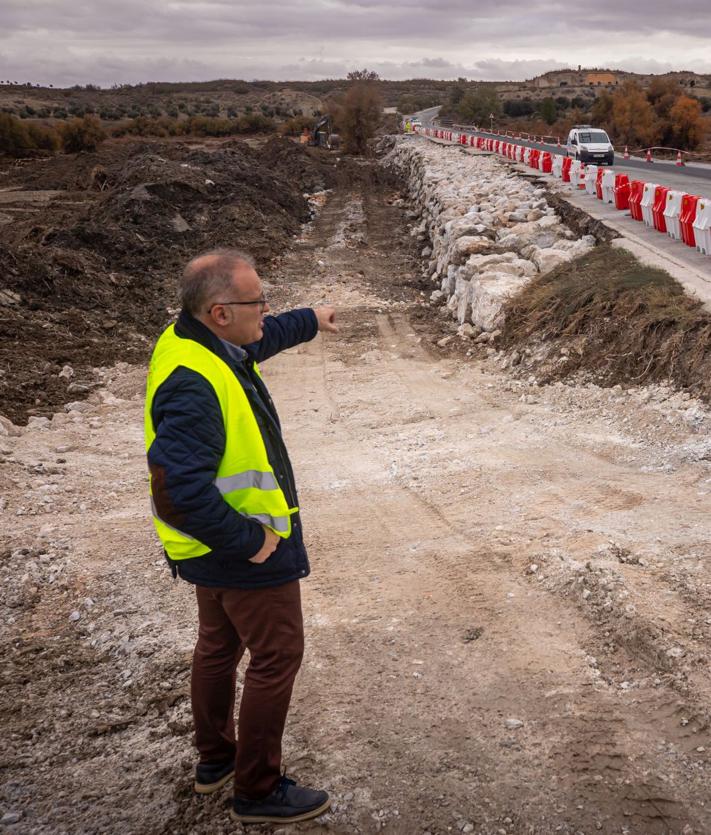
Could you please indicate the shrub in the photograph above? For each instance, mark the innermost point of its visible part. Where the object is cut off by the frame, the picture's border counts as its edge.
(548, 110)
(519, 107)
(478, 104)
(43, 138)
(687, 125)
(633, 118)
(14, 137)
(358, 116)
(82, 135)
(255, 123)
(17, 139)
(295, 126)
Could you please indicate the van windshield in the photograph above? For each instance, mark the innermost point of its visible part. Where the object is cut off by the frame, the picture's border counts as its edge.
(594, 137)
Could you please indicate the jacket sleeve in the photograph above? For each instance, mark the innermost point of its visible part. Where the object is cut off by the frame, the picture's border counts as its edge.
(284, 331)
(183, 460)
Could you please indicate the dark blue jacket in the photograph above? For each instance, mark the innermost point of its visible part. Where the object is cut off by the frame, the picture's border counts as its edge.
(189, 443)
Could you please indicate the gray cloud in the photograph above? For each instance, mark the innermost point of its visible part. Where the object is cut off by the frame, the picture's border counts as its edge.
(104, 42)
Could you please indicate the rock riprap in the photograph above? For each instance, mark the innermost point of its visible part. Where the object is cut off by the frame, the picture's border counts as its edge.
(486, 231)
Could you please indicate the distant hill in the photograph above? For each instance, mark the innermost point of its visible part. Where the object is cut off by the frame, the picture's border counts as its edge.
(229, 97)
(590, 82)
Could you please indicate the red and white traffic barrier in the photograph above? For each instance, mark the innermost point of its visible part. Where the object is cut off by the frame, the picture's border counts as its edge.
(702, 226)
(608, 186)
(648, 203)
(672, 210)
(685, 217)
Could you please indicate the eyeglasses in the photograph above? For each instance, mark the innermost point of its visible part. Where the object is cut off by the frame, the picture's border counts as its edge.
(261, 302)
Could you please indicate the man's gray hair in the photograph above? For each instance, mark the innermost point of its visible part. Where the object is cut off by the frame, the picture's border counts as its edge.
(209, 275)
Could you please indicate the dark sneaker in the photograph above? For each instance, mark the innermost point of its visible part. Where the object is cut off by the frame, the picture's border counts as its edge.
(209, 777)
(288, 803)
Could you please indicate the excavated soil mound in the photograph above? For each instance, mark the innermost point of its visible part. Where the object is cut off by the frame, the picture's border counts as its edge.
(87, 279)
(607, 315)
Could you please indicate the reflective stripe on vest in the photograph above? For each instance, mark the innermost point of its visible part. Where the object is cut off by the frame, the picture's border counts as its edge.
(244, 477)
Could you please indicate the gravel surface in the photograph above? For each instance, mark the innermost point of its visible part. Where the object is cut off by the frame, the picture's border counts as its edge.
(508, 615)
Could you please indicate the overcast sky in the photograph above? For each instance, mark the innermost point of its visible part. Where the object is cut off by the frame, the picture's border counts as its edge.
(106, 42)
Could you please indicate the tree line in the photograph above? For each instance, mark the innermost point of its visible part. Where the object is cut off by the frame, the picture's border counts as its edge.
(661, 114)
(356, 115)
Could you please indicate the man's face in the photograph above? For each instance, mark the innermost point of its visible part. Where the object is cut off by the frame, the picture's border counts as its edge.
(241, 323)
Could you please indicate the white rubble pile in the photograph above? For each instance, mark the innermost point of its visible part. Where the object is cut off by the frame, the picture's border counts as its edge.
(487, 231)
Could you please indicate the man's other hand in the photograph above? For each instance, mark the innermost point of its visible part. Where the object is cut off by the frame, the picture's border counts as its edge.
(271, 540)
(326, 318)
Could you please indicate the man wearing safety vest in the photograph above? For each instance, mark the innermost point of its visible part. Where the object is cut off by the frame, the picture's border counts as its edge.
(225, 508)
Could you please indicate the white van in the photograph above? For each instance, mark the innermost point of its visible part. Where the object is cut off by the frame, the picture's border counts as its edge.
(590, 144)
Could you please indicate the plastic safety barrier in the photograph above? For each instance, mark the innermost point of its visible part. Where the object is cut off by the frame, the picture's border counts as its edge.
(598, 182)
(546, 162)
(591, 179)
(534, 158)
(522, 154)
(526, 156)
(672, 212)
(565, 169)
(660, 202)
(558, 165)
(689, 204)
(702, 226)
(648, 203)
(636, 192)
(608, 186)
(581, 176)
(622, 192)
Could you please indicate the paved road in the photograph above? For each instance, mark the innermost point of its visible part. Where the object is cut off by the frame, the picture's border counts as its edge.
(695, 179)
(688, 266)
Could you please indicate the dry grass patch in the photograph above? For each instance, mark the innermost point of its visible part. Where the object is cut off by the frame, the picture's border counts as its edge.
(615, 317)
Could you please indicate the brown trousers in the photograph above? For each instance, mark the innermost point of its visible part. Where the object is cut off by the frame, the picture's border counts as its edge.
(267, 622)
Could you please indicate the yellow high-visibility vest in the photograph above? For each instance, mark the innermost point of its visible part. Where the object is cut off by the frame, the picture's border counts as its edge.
(244, 477)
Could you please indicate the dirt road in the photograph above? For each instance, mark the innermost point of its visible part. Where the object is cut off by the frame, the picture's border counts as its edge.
(507, 619)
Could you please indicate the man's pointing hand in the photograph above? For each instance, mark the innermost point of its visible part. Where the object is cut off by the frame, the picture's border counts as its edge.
(326, 318)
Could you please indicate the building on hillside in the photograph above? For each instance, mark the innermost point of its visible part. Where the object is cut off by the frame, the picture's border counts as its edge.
(601, 79)
(580, 78)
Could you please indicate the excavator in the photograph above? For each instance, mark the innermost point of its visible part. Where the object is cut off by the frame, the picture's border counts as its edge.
(322, 135)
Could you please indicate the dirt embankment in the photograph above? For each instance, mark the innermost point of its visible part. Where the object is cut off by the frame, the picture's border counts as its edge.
(609, 318)
(90, 248)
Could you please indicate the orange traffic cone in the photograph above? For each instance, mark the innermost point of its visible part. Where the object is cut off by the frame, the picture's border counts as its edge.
(627, 153)
(649, 155)
(679, 160)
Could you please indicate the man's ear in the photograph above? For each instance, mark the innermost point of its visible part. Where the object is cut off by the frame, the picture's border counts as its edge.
(218, 314)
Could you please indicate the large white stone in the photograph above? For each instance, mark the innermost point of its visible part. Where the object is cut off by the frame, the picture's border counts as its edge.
(468, 206)
(489, 292)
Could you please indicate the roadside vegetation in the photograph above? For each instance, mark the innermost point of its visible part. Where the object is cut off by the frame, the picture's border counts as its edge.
(661, 114)
(569, 322)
